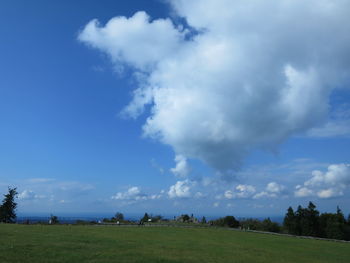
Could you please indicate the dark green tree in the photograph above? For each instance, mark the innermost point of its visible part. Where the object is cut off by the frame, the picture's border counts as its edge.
(300, 215)
(268, 225)
(231, 221)
(119, 216)
(290, 222)
(250, 223)
(340, 216)
(8, 206)
(227, 221)
(347, 229)
(185, 218)
(333, 225)
(307, 221)
(145, 218)
(157, 218)
(313, 220)
(330, 226)
(204, 220)
(53, 220)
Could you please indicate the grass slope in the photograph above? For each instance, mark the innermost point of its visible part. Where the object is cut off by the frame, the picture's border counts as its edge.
(62, 243)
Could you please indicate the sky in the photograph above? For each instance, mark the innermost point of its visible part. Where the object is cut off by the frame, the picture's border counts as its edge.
(169, 107)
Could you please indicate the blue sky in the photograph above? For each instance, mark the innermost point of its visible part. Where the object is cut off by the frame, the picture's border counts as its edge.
(204, 107)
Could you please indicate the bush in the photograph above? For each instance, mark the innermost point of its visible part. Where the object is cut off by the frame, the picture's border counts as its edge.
(227, 221)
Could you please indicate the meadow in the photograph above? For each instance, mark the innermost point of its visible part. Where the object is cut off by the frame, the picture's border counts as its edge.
(72, 243)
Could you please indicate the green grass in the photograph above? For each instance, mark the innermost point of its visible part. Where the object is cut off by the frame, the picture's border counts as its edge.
(62, 243)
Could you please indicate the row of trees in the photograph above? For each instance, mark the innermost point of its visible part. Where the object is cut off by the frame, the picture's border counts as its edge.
(309, 222)
(119, 217)
(249, 224)
(304, 221)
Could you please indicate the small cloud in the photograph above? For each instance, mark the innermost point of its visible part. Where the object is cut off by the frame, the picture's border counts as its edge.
(216, 204)
(182, 169)
(154, 197)
(241, 191)
(274, 187)
(229, 194)
(272, 190)
(132, 194)
(199, 195)
(330, 192)
(303, 192)
(264, 194)
(29, 195)
(181, 189)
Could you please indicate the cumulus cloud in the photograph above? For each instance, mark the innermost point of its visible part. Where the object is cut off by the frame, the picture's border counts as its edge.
(133, 193)
(274, 187)
(139, 42)
(182, 168)
(302, 191)
(181, 189)
(327, 184)
(241, 191)
(272, 190)
(246, 75)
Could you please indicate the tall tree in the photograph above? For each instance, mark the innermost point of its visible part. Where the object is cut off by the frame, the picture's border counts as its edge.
(145, 218)
(313, 220)
(290, 221)
(8, 206)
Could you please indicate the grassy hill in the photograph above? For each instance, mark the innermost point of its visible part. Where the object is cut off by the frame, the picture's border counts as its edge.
(64, 243)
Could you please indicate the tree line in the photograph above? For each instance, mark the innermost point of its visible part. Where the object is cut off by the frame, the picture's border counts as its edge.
(303, 222)
(309, 222)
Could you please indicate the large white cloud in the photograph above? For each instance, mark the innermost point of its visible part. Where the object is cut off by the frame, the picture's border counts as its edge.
(327, 184)
(255, 74)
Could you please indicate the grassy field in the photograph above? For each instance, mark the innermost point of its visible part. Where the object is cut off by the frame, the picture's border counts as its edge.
(64, 243)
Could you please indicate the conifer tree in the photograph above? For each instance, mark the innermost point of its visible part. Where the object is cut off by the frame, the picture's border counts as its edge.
(8, 207)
